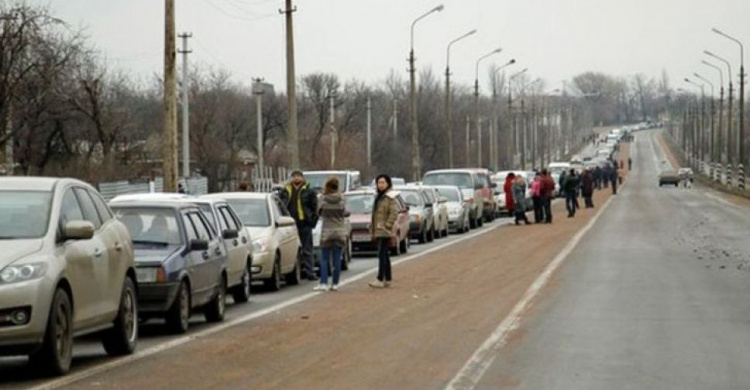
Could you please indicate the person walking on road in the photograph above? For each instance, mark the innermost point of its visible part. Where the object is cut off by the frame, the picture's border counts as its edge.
(613, 178)
(333, 234)
(302, 203)
(587, 188)
(547, 193)
(598, 177)
(385, 212)
(519, 199)
(536, 198)
(630, 164)
(570, 186)
(508, 189)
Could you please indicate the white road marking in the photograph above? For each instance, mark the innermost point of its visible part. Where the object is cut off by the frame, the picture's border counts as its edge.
(87, 373)
(475, 368)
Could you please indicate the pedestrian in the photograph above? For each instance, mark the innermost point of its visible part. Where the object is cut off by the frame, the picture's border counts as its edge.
(244, 186)
(606, 174)
(519, 199)
(302, 203)
(630, 163)
(547, 193)
(508, 188)
(570, 186)
(536, 198)
(598, 177)
(613, 178)
(385, 212)
(587, 188)
(332, 211)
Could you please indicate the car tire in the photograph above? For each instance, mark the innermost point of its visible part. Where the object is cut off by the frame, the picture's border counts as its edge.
(178, 316)
(274, 282)
(295, 276)
(472, 222)
(423, 236)
(56, 354)
(241, 293)
(215, 310)
(479, 222)
(122, 338)
(431, 235)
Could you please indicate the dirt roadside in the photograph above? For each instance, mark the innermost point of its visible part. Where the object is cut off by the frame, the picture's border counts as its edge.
(417, 334)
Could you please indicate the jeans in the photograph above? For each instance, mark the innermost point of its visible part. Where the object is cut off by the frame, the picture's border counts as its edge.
(384, 259)
(570, 202)
(325, 261)
(547, 207)
(306, 239)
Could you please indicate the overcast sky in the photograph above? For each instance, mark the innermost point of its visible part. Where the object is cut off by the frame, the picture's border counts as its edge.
(365, 39)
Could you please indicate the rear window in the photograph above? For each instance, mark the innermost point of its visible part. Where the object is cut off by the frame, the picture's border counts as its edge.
(457, 179)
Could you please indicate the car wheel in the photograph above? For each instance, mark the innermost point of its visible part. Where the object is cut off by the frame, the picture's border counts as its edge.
(347, 256)
(216, 308)
(57, 349)
(123, 337)
(479, 222)
(472, 222)
(178, 316)
(295, 276)
(423, 236)
(241, 292)
(274, 282)
(431, 234)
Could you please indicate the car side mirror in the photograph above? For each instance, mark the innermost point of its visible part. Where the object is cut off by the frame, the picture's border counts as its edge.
(78, 230)
(285, 222)
(230, 234)
(198, 245)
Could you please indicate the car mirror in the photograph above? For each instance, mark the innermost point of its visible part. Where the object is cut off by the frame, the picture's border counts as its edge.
(198, 245)
(230, 234)
(285, 222)
(78, 230)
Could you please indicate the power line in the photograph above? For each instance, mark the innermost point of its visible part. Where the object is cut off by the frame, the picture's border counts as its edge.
(227, 14)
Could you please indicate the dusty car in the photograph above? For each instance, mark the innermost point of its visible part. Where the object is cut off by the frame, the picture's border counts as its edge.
(181, 262)
(458, 208)
(421, 214)
(66, 269)
(276, 244)
(360, 204)
(471, 185)
(440, 210)
(669, 177)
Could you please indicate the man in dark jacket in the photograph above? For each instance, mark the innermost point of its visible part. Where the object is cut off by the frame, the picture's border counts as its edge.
(547, 193)
(587, 187)
(302, 203)
(570, 187)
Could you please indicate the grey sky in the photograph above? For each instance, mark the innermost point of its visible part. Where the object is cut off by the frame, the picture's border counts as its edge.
(556, 39)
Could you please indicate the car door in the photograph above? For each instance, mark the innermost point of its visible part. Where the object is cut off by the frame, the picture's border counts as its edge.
(236, 247)
(212, 261)
(286, 236)
(80, 262)
(121, 251)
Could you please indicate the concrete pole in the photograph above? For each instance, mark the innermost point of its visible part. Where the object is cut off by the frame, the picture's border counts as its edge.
(414, 126)
(395, 120)
(333, 132)
(369, 132)
(169, 131)
(185, 107)
(291, 87)
(9, 163)
(479, 142)
(467, 160)
(259, 123)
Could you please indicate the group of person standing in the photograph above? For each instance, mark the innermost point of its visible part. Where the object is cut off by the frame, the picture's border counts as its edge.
(542, 192)
(306, 208)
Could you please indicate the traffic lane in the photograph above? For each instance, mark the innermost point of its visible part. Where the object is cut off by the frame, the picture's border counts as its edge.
(16, 373)
(644, 301)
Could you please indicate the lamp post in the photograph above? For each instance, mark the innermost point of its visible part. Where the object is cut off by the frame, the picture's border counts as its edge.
(494, 155)
(698, 135)
(717, 135)
(476, 104)
(448, 111)
(415, 159)
(741, 157)
(730, 156)
(511, 131)
(711, 119)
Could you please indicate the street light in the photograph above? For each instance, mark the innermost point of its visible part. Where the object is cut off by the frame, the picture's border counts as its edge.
(696, 141)
(476, 105)
(448, 111)
(711, 121)
(716, 141)
(511, 130)
(742, 92)
(730, 156)
(494, 155)
(415, 160)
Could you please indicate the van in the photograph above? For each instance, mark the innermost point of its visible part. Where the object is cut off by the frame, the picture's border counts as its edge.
(348, 180)
(474, 185)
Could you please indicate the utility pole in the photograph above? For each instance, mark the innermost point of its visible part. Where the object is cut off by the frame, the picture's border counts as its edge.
(169, 132)
(185, 106)
(468, 142)
(414, 126)
(479, 142)
(333, 130)
(395, 121)
(258, 91)
(523, 134)
(369, 132)
(291, 87)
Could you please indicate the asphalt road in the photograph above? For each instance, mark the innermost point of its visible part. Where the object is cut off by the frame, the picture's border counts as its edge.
(655, 296)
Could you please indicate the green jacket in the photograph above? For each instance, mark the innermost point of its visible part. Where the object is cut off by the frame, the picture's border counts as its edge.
(385, 215)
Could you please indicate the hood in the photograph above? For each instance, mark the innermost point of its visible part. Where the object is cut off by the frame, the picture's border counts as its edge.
(258, 231)
(360, 218)
(333, 198)
(153, 255)
(13, 250)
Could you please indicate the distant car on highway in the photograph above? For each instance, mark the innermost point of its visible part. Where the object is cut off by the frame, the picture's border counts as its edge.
(669, 177)
(66, 269)
(458, 208)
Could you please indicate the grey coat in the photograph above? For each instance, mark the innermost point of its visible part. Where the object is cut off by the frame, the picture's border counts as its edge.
(332, 210)
(519, 196)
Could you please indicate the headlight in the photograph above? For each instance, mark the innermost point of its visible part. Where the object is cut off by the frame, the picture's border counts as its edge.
(22, 272)
(260, 245)
(150, 275)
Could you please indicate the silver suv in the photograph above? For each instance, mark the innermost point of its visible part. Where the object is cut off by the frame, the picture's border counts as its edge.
(66, 268)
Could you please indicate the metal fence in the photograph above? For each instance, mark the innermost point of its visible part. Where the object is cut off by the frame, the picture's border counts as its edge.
(109, 190)
(266, 179)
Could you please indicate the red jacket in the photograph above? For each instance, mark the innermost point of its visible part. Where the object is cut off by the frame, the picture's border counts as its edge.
(508, 188)
(548, 187)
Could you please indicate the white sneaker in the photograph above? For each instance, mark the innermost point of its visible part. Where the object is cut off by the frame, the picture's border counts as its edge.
(334, 287)
(321, 287)
(377, 284)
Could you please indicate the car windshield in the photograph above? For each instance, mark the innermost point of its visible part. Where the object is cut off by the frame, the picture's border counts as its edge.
(450, 194)
(252, 212)
(360, 203)
(458, 179)
(412, 197)
(318, 180)
(24, 214)
(150, 225)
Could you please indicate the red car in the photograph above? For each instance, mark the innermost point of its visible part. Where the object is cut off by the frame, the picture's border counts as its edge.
(360, 204)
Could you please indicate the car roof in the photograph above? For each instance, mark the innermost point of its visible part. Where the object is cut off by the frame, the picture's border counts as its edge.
(447, 187)
(33, 183)
(331, 172)
(237, 195)
(361, 192)
(175, 204)
(150, 196)
(462, 170)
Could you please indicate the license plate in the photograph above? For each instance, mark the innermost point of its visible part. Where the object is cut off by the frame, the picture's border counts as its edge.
(361, 238)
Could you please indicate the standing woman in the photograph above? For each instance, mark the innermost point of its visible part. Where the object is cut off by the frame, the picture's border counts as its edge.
(536, 197)
(384, 214)
(508, 189)
(332, 211)
(519, 199)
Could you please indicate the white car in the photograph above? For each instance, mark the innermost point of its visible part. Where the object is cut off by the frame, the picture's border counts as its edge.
(276, 244)
(458, 208)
